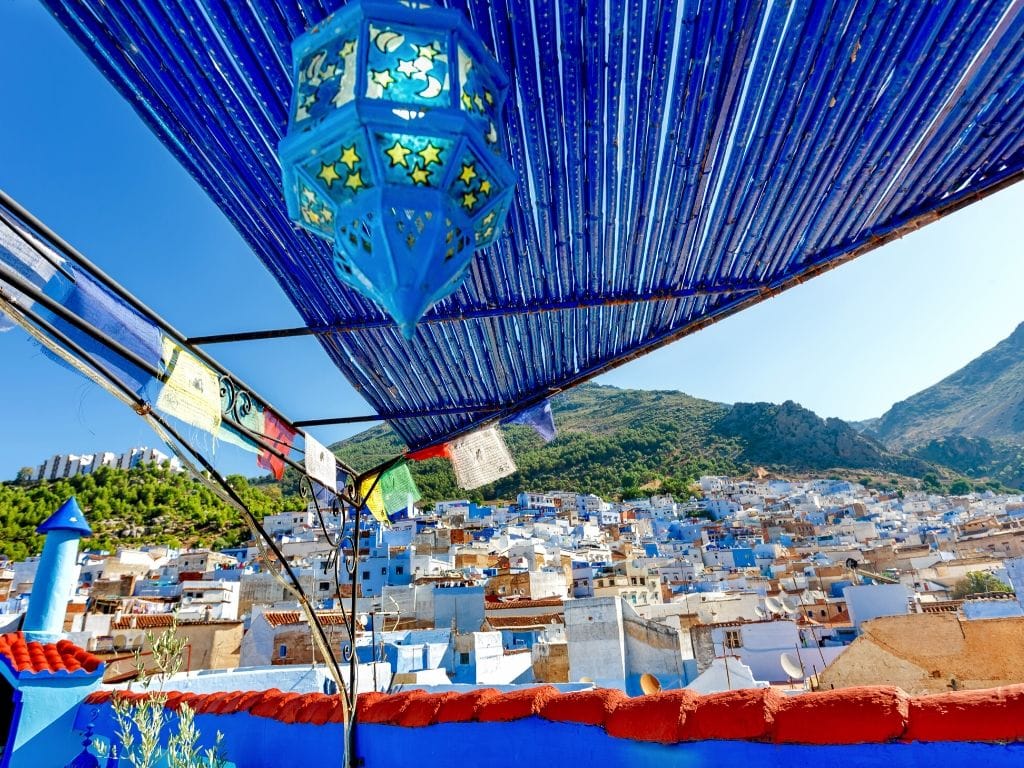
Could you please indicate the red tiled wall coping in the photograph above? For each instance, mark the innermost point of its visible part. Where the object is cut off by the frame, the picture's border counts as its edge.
(28, 659)
(861, 715)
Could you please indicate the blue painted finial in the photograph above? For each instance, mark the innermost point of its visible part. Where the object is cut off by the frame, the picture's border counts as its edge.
(68, 518)
(84, 759)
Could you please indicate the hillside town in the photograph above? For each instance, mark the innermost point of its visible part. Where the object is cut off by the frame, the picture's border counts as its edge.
(799, 585)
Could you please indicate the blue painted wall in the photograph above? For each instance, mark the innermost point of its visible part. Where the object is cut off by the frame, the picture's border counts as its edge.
(264, 743)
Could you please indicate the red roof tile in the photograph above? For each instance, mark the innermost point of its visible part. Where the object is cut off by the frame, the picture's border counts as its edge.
(28, 659)
(501, 605)
(876, 714)
(525, 622)
(283, 618)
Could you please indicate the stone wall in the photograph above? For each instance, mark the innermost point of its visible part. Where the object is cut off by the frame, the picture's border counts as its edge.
(930, 653)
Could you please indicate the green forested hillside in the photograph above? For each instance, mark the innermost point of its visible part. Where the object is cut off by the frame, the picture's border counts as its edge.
(147, 504)
(622, 442)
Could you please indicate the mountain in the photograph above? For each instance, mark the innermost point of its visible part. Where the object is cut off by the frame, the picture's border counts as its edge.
(622, 442)
(984, 399)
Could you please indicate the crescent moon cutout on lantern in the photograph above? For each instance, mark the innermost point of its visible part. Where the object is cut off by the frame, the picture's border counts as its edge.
(388, 41)
(433, 89)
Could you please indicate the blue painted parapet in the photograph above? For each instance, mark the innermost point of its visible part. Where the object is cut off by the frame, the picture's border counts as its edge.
(867, 727)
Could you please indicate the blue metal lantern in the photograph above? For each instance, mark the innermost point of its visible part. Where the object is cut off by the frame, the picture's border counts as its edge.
(393, 151)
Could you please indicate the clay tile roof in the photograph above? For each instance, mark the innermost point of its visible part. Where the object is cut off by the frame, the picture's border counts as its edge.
(548, 602)
(282, 618)
(525, 622)
(143, 621)
(30, 659)
(159, 621)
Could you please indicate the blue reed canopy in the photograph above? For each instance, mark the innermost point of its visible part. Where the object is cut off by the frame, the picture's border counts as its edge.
(677, 161)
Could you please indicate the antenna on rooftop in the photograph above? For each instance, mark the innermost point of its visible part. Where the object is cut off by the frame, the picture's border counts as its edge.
(774, 605)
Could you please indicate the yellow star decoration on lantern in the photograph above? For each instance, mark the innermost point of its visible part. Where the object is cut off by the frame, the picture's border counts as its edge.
(468, 173)
(348, 48)
(467, 100)
(382, 77)
(349, 157)
(355, 181)
(469, 200)
(489, 218)
(407, 67)
(479, 102)
(328, 174)
(488, 97)
(485, 187)
(427, 51)
(430, 154)
(419, 175)
(397, 154)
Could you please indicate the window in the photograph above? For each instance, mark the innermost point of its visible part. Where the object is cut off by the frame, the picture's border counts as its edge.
(463, 658)
(384, 571)
(399, 570)
(282, 651)
(732, 638)
(324, 586)
(366, 575)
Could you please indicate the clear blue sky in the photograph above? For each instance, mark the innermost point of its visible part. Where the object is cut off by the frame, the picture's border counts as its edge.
(847, 344)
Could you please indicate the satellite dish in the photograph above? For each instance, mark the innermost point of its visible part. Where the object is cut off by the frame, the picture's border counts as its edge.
(790, 604)
(761, 612)
(363, 620)
(773, 604)
(791, 667)
(649, 684)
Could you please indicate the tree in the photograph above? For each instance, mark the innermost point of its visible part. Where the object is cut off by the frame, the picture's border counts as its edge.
(24, 476)
(977, 583)
(960, 488)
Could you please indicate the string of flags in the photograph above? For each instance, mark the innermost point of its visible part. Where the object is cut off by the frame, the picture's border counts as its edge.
(189, 389)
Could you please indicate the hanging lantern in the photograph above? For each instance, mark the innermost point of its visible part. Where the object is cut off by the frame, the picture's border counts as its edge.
(393, 152)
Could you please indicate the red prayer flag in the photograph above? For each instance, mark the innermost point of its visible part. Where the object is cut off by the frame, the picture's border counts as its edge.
(439, 451)
(280, 436)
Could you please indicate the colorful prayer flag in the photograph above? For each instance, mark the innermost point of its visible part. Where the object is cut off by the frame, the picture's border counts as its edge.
(280, 436)
(433, 452)
(480, 458)
(252, 425)
(398, 490)
(539, 417)
(373, 499)
(321, 464)
(192, 389)
(26, 259)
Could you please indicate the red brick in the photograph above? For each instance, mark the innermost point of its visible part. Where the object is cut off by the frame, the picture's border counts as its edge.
(587, 707)
(463, 707)
(515, 705)
(866, 714)
(658, 717)
(746, 714)
(993, 714)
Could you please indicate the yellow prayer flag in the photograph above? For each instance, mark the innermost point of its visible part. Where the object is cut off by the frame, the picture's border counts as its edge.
(192, 390)
(375, 500)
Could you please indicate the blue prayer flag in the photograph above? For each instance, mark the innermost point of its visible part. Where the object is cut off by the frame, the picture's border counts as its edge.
(539, 417)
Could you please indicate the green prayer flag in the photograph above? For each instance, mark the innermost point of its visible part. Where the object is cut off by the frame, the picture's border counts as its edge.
(398, 489)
